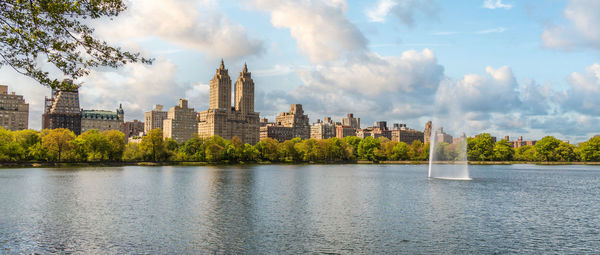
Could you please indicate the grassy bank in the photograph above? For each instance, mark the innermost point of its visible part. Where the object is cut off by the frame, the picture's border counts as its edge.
(188, 163)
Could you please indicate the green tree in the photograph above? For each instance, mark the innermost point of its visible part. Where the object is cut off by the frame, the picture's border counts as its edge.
(480, 148)
(116, 144)
(58, 143)
(366, 148)
(590, 150)
(353, 141)
(133, 152)
(58, 32)
(525, 153)
(400, 151)
(268, 148)
(153, 145)
(545, 149)
(418, 151)
(95, 145)
(309, 149)
(193, 149)
(288, 152)
(28, 139)
(565, 152)
(503, 151)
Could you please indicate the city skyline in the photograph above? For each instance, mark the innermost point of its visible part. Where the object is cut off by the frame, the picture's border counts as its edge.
(519, 67)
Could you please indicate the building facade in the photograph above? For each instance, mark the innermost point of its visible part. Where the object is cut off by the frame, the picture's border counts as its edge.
(154, 118)
(181, 124)
(133, 128)
(427, 132)
(62, 110)
(323, 129)
(224, 120)
(350, 121)
(343, 131)
(102, 120)
(14, 112)
(288, 125)
(400, 133)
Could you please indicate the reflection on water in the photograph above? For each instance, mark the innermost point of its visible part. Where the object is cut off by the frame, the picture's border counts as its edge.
(344, 209)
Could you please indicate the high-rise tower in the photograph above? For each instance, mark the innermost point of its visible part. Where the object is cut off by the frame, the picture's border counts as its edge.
(220, 89)
(244, 92)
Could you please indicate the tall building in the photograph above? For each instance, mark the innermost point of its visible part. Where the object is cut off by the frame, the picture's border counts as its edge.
(154, 118)
(350, 121)
(14, 112)
(427, 133)
(181, 124)
(224, 120)
(102, 120)
(441, 136)
(400, 133)
(133, 128)
(323, 129)
(62, 109)
(343, 131)
(288, 125)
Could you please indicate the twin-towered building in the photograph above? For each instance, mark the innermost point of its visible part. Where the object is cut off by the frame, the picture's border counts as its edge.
(222, 118)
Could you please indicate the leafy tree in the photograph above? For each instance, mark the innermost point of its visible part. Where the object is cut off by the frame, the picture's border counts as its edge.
(6, 137)
(525, 153)
(309, 150)
(235, 149)
(133, 152)
(480, 148)
(58, 143)
(565, 152)
(193, 149)
(27, 139)
(385, 150)
(268, 148)
(116, 144)
(153, 145)
(95, 145)
(503, 151)
(400, 151)
(418, 151)
(250, 153)
(288, 152)
(215, 148)
(590, 150)
(366, 148)
(545, 149)
(56, 31)
(440, 151)
(353, 141)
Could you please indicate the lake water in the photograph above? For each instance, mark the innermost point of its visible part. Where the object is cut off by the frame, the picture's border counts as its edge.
(280, 209)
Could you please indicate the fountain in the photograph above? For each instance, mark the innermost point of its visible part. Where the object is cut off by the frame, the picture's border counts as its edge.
(447, 156)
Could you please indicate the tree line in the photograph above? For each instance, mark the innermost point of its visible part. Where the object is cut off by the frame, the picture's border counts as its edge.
(62, 145)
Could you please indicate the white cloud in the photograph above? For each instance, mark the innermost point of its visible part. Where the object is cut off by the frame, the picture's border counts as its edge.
(581, 30)
(494, 92)
(496, 4)
(138, 87)
(404, 10)
(583, 95)
(320, 28)
(381, 10)
(191, 24)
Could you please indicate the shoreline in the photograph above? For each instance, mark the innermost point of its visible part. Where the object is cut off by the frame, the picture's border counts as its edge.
(195, 163)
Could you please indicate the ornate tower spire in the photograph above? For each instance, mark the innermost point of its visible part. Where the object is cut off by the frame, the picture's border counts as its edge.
(220, 89)
(244, 92)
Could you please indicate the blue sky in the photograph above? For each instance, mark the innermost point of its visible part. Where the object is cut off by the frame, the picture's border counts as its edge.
(507, 67)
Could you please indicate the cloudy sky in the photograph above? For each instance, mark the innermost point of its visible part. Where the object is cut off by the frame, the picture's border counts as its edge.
(508, 67)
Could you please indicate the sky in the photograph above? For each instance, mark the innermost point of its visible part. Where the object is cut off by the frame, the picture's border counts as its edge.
(507, 67)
